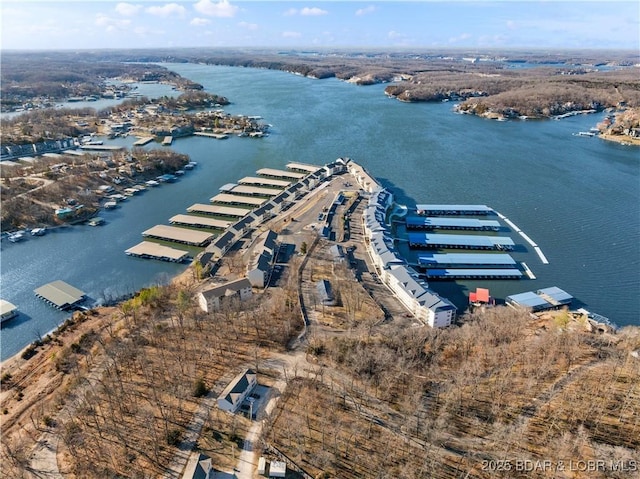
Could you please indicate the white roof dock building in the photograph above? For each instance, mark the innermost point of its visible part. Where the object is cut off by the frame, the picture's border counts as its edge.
(273, 173)
(199, 221)
(237, 391)
(218, 210)
(214, 298)
(60, 294)
(179, 235)
(237, 199)
(149, 249)
(255, 181)
(7, 310)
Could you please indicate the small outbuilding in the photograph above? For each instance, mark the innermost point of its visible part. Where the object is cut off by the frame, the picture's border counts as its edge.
(278, 469)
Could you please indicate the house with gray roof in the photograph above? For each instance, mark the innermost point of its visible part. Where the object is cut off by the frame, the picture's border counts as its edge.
(213, 299)
(237, 391)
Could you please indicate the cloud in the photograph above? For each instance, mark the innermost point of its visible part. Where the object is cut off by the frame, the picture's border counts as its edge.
(170, 9)
(305, 12)
(366, 10)
(460, 38)
(127, 9)
(220, 9)
(199, 22)
(111, 24)
(248, 26)
(291, 34)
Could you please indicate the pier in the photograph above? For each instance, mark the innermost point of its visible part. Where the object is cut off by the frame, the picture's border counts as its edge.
(465, 260)
(488, 273)
(453, 209)
(143, 141)
(238, 200)
(426, 240)
(430, 223)
(218, 210)
(303, 167)
(280, 174)
(167, 141)
(255, 181)
(199, 221)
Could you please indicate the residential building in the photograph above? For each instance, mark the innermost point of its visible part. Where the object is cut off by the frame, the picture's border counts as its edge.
(237, 391)
(215, 298)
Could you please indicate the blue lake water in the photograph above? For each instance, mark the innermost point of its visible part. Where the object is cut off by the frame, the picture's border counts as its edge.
(578, 198)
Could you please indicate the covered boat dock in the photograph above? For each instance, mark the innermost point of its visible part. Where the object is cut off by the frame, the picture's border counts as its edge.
(425, 209)
(179, 235)
(541, 300)
(60, 294)
(218, 210)
(237, 199)
(199, 221)
(482, 273)
(151, 250)
(303, 167)
(254, 190)
(280, 174)
(426, 240)
(255, 181)
(465, 260)
(430, 223)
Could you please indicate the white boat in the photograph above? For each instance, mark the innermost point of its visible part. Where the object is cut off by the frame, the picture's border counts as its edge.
(38, 231)
(109, 205)
(95, 221)
(152, 183)
(17, 236)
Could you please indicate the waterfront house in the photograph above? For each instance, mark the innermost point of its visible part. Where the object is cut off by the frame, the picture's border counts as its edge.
(237, 391)
(215, 298)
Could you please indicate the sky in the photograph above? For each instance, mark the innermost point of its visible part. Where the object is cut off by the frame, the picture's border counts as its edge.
(93, 24)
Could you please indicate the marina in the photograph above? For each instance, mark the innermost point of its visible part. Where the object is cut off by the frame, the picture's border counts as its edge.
(255, 181)
(60, 295)
(199, 221)
(425, 240)
(429, 223)
(179, 235)
(252, 190)
(151, 250)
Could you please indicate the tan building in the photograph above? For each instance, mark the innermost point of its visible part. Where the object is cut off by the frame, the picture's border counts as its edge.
(215, 298)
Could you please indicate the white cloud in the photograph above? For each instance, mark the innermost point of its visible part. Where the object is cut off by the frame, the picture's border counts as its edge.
(312, 12)
(366, 10)
(127, 9)
(170, 9)
(291, 34)
(111, 24)
(199, 22)
(220, 9)
(248, 26)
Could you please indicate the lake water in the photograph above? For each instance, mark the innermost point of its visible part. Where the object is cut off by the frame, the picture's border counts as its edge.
(578, 198)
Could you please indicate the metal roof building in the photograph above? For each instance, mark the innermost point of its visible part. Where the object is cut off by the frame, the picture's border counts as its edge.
(543, 299)
(199, 221)
(426, 209)
(237, 199)
(458, 260)
(218, 210)
(179, 235)
(151, 250)
(254, 180)
(273, 173)
(421, 222)
(60, 294)
(486, 273)
(427, 240)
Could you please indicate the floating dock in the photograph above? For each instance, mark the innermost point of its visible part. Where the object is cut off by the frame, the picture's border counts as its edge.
(465, 260)
(280, 174)
(199, 221)
(217, 136)
(430, 223)
(453, 209)
(483, 273)
(167, 141)
(101, 147)
(536, 248)
(143, 141)
(59, 294)
(150, 250)
(541, 300)
(237, 199)
(218, 210)
(426, 240)
(179, 235)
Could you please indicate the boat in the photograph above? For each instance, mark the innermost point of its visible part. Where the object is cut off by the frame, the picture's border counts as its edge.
(152, 183)
(179, 172)
(38, 231)
(109, 205)
(17, 236)
(97, 221)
